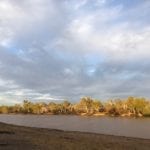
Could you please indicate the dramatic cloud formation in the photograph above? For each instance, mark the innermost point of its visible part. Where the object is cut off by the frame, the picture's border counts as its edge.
(52, 49)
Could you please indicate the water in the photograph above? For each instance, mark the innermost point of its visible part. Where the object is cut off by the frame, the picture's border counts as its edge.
(130, 127)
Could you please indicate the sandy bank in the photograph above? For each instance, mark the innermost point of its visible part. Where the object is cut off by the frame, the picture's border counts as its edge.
(26, 138)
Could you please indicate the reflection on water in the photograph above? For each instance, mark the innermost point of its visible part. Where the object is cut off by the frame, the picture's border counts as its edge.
(131, 127)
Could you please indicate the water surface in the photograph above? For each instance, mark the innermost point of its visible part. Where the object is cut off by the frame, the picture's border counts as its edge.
(131, 127)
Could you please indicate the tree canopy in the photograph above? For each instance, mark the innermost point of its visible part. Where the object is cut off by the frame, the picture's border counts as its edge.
(132, 106)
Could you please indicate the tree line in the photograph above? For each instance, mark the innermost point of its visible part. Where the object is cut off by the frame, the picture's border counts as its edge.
(131, 106)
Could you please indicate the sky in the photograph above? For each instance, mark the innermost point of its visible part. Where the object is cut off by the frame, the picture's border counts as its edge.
(67, 49)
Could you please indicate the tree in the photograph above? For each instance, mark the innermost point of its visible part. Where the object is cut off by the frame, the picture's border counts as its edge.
(136, 105)
(53, 108)
(27, 106)
(15, 109)
(85, 104)
(96, 106)
(4, 109)
(66, 107)
(146, 111)
(111, 109)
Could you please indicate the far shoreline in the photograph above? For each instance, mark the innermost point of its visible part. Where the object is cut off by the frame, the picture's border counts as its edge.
(82, 115)
(87, 106)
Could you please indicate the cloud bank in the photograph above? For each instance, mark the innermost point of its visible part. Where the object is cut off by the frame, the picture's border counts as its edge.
(53, 50)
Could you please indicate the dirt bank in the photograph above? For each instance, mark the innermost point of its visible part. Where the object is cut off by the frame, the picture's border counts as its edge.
(27, 138)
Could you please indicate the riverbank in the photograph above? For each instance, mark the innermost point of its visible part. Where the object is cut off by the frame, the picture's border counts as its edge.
(130, 107)
(128, 115)
(14, 137)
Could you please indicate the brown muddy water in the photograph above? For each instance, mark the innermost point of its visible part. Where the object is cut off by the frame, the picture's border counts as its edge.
(130, 127)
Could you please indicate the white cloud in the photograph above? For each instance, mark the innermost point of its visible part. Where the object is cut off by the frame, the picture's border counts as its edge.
(51, 49)
(91, 33)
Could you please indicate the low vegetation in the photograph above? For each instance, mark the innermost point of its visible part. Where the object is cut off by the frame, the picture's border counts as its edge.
(131, 106)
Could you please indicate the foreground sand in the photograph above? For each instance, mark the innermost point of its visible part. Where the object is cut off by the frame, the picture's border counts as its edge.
(26, 138)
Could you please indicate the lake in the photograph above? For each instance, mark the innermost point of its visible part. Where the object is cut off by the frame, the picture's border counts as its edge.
(130, 127)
